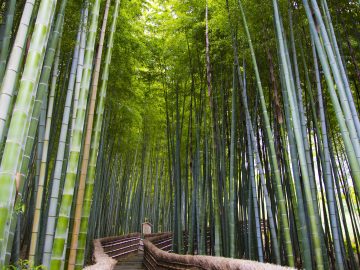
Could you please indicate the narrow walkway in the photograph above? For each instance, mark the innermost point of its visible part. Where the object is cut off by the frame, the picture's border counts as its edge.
(129, 252)
(132, 262)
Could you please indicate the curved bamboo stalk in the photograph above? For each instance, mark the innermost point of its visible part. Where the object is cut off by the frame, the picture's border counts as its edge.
(349, 147)
(253, 198)
(314, 232)
(274, 162)
(44, 159)
(85, 158)
(13, 66)
(23, 107)
(52, 215)
(254, 148)
(337, 67)
(328, 178)
(5, 44)
(217, 193)
(62, 227)
(41, 95)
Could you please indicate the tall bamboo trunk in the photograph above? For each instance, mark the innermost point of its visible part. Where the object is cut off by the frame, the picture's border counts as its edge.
(273, 158)
(62, 227)
(59, 164)
(314, 232)
(5, 44)
(85, 159)
(342, 114)
(43, 166)
(10, 162)
(13, 67)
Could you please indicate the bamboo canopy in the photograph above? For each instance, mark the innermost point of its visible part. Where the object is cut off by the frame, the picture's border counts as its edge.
(232, 125)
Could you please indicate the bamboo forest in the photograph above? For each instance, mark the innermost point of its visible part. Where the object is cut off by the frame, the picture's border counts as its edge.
(179, 134)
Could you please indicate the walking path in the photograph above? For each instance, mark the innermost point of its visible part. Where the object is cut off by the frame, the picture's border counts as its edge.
(133, 262)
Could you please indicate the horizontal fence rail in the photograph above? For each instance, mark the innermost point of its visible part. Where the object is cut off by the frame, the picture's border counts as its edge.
(158, 255)
(108, 251)
(101, 259)
(162, 241)
(122, 247)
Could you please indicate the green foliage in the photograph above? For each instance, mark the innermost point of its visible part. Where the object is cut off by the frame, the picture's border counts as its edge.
(166, 140)
(24, 265)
